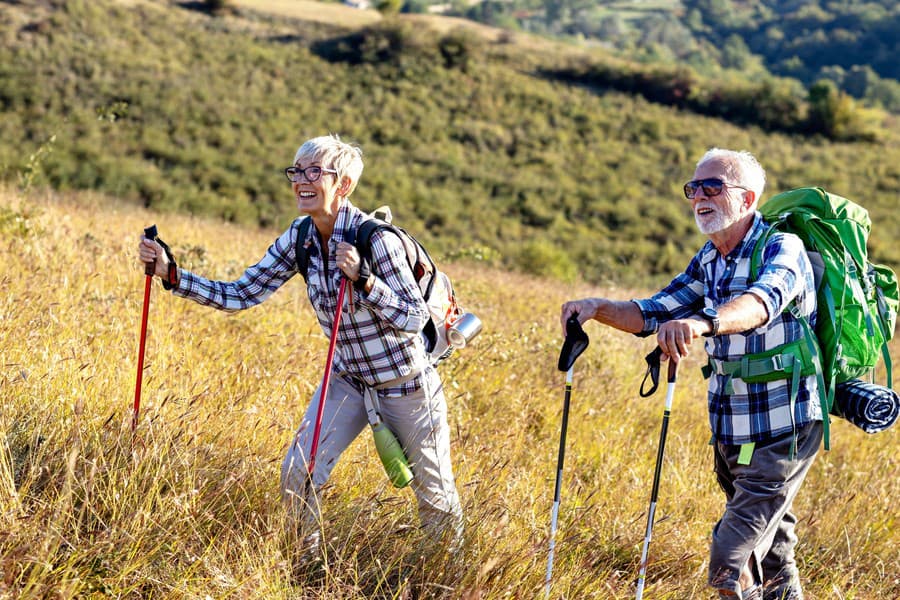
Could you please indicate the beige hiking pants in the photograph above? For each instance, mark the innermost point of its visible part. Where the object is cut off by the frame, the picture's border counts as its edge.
(419, 421)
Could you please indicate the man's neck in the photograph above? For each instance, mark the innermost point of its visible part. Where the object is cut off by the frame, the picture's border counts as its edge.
(728, 239)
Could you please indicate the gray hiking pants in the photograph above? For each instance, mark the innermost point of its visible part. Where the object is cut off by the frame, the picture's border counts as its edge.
(418, 420)
(758, 521)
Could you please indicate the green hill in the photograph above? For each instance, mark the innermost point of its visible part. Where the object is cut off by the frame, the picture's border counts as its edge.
(852, 44)
(479, 148)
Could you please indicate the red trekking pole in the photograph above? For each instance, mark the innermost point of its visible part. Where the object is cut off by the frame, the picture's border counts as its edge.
(149, 269)
(327, 378)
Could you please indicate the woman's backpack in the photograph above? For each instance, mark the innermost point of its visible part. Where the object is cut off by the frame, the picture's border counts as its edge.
(435, 285)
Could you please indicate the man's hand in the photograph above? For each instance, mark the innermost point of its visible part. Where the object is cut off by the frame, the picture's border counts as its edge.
(585, 309)
(675, 337)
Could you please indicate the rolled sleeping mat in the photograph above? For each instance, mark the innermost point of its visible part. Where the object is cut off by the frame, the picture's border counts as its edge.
(869, 406)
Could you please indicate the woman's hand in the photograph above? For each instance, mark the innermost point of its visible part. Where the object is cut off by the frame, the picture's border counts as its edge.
(152, 253)
(348, 260)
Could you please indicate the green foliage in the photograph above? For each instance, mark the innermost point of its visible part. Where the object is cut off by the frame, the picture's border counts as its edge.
(459, 47)
(771, 104)
(389, 7)
(541, 258)
(31, 170)
(832, 112)
(807, 40)
(474, 144)
(20, 222)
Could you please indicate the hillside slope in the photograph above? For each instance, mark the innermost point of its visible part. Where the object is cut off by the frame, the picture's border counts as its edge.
(475, 147)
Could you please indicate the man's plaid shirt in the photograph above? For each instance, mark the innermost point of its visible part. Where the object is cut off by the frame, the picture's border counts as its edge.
(379, 337)
(759, 411)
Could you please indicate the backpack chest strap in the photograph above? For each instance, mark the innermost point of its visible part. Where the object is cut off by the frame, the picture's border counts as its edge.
(749, 368)
(762, 367)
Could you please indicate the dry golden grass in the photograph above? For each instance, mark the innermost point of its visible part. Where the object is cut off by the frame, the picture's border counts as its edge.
(192, 510)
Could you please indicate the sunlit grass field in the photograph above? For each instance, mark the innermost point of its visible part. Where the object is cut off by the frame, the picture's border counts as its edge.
(189, 508)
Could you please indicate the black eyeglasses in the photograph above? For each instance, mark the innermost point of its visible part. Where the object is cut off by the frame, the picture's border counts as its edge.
(312, 174)
(712, 186)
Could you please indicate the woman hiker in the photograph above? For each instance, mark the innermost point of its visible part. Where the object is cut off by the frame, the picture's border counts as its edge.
(379, 349)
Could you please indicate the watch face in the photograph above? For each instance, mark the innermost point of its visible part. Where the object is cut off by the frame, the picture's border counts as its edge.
(711, 313)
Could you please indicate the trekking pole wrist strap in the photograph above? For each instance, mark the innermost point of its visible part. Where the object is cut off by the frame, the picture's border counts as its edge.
(653, 364)
(366, 278)
(171, 280)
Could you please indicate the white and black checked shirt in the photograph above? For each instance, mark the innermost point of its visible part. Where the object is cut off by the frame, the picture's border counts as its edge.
(379, 337)
(752, 412)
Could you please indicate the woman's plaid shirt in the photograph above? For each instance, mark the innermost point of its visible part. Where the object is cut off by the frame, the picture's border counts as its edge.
(759, 411)
(379, 339)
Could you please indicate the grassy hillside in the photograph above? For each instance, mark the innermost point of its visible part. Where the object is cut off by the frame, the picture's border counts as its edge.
(475, 147)
(190, 508)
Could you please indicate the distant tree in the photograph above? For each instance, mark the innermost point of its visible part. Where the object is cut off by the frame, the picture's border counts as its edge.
(885, 93)
(694, 20)
(415, 6)
(612, 28)
(219, 7)
(833, 113)
(858, 79)
(716, 11)
(458, 47)
(389, 7)
(735, 53)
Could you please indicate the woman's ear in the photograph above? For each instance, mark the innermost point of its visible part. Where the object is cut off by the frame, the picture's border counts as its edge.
(345, 186)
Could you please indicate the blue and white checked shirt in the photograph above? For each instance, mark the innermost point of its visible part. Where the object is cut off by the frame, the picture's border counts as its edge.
(758, 411)
(379, 337)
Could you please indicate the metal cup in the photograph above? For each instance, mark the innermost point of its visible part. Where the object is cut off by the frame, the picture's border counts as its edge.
(463, 330)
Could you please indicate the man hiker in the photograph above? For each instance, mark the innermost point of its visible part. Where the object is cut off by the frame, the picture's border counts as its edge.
(765, 433)
(380, 350)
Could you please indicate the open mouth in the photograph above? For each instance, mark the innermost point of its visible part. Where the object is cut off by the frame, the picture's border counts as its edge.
(306, 195)
(703, 211)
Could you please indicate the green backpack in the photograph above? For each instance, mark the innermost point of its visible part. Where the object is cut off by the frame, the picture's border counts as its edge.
(857, 301)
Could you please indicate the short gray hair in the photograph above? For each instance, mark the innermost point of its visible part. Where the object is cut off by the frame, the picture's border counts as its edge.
(334, 153)
(741, 168)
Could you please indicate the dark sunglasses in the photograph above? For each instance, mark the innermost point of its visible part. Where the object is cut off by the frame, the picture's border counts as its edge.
(312, 174)
(712, 186)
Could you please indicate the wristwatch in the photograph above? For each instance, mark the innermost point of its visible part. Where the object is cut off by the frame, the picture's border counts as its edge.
(711, 315)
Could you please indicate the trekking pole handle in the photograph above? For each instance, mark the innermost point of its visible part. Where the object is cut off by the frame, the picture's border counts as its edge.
(151, 234)
(673, 371)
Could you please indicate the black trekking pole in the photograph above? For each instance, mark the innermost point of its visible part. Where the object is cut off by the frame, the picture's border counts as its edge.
(575, 343)
(653, 360)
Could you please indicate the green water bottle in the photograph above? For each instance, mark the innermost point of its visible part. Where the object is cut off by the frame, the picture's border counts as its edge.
(391, 454)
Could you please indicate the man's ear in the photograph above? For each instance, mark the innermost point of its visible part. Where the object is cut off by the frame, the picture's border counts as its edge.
(749, 198)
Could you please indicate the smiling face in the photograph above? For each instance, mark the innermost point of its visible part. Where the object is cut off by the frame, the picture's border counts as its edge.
(318, 197)
(716, 214)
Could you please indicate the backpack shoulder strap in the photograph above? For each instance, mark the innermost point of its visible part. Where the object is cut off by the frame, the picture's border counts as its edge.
(364, 232)
(301, 252)
(756, 258)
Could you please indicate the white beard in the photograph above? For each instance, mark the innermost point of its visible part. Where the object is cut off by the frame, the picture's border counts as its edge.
(720, 220)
